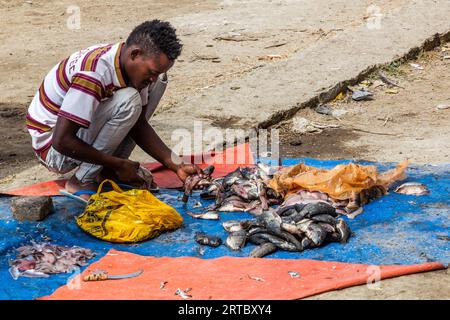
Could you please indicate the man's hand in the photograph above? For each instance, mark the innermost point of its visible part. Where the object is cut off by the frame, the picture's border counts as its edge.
(127, 171)
(185, 170)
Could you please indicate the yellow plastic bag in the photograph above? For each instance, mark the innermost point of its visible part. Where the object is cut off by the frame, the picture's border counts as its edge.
(127, 216)
(339, 183)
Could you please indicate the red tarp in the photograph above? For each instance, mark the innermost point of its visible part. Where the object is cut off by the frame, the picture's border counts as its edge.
(226, 278)
(224, 162)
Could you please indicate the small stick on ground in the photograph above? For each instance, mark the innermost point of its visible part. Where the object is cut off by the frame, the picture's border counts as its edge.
(388, 81)
(380, 133)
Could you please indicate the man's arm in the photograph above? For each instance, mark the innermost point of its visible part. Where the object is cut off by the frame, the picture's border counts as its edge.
(147, 138)
(66, 142)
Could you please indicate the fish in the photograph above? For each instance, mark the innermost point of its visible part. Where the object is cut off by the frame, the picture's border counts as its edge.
(207, 240)
(316, 234)
(413, 188)
(296, 216)
(306, 242)
(205, 216)
(324, 218)
(34, 274)
(312, 209)
(147, 177)
(273, 195)
(236, 225)
(287, 211)
(210, 193)
(327, 227)
(247, 190)
(355, 213)
(304, 196)
(256, 230)
(302, 225)
(291, 209)
(189, 185)
(263, 250)
(333, 237)
(197, 204)
(271, 220)
(291, 239)
(354, 202)
(256, 239)
(343, 230)
(193, 180)
(262, 196)
(234, 203)
(231, 178)
(278, 242)
(42, 259)
(236, 240)
(249, 173)
(291, 228)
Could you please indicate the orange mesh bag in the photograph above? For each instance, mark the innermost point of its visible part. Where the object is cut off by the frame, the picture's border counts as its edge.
(339, 182)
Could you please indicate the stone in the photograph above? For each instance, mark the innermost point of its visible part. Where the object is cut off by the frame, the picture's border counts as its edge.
(31, 208)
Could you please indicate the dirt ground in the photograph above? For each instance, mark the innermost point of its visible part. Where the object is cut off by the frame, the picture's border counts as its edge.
(391, 127)
(397, 124)
(278, 28)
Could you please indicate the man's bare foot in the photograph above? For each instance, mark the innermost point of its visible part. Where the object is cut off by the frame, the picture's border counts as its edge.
(74, 185)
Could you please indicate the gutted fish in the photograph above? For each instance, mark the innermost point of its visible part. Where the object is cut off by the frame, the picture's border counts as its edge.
(192, 181)
(42, 259)
(206, 215)
(413, 188)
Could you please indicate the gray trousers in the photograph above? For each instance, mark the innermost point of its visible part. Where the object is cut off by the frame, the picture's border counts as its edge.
(108, 131)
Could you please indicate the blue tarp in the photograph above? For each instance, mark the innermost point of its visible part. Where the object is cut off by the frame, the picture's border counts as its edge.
(394, 229)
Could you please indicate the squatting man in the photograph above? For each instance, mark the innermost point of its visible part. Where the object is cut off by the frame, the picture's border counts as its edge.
(94, 107)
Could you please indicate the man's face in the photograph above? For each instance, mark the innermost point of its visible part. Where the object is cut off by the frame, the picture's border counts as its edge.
(143, 70)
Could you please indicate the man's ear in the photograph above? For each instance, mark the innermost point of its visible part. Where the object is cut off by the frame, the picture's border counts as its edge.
(136, 52)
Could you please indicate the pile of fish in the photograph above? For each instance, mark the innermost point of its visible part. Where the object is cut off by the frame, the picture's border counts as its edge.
(351, 207)
(40, 260)
(241, 190)
(291, 228)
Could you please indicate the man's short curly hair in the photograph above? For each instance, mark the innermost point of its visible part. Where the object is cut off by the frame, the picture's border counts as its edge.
(156, 36)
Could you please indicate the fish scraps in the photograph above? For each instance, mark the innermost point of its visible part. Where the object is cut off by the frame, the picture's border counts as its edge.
(43, 259)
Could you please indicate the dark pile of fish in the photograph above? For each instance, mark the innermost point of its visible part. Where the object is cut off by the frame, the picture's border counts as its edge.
(290, 228)
(40, 260)
(241, 190)
(304, 220)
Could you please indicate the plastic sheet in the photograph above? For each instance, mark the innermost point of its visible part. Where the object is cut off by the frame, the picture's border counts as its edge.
(395, 229)
(339, 182)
